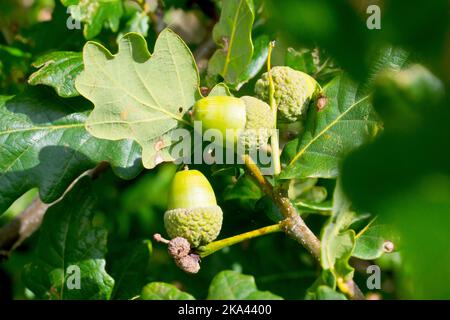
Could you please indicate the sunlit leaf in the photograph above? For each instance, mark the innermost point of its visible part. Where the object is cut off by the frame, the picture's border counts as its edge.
(163, 291)
(232, 285)
(138, 96)
(233, 34)
(58, 69)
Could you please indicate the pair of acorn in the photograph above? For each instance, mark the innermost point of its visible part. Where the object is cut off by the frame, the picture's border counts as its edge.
(193, 213)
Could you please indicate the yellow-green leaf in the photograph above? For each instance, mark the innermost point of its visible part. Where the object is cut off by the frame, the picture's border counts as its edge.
(138, 96)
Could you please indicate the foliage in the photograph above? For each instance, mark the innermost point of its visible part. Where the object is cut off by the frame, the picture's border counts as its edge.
(88, 122)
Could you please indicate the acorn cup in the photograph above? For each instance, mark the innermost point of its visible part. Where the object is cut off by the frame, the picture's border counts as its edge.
(249, 121)
(192, 211)
(293, 91)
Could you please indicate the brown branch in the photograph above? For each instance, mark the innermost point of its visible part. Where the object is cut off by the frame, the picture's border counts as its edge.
(21, 227)
(294, 226)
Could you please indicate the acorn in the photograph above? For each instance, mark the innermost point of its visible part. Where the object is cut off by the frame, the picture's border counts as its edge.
(249, 121)
(192, 211)
(293, 91)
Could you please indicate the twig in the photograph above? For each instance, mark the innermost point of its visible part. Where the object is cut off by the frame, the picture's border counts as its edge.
(21, 227)
(294, 226)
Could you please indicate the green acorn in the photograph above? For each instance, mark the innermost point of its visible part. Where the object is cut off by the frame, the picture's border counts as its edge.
(293, 91)
(192, 211)
(248, 119)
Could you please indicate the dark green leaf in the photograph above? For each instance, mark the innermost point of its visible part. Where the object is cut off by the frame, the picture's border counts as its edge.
(245, 188)
(69, 240)
(129, 269)
(404, 177)
(45, 144)
(14, 66)
(58, 70)
(346, 122)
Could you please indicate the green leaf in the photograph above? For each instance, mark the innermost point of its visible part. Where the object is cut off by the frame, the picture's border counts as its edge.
(232, 285)
(96, 14)
(337, 240)
(369, 244)
(258, 60)
(325, 279)
(302, 60)
(129, 268)
(420, 212)
(58, 70)
(220, 89)
(139, 23)
(327, 293)
(164, 291)
(45, 145)
(308, 205)
(315, 62)
(346, 122)
(68, 239)
(14, 65)
(402, 98)
(316, 194)
(245, 189)
(233, 33)
(137, 96)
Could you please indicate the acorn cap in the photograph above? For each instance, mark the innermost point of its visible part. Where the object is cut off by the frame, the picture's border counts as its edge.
(199, 225)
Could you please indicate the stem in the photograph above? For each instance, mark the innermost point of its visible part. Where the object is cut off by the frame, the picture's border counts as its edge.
(293, 225)
(321, 68)
(274, 143)
(214, 246)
